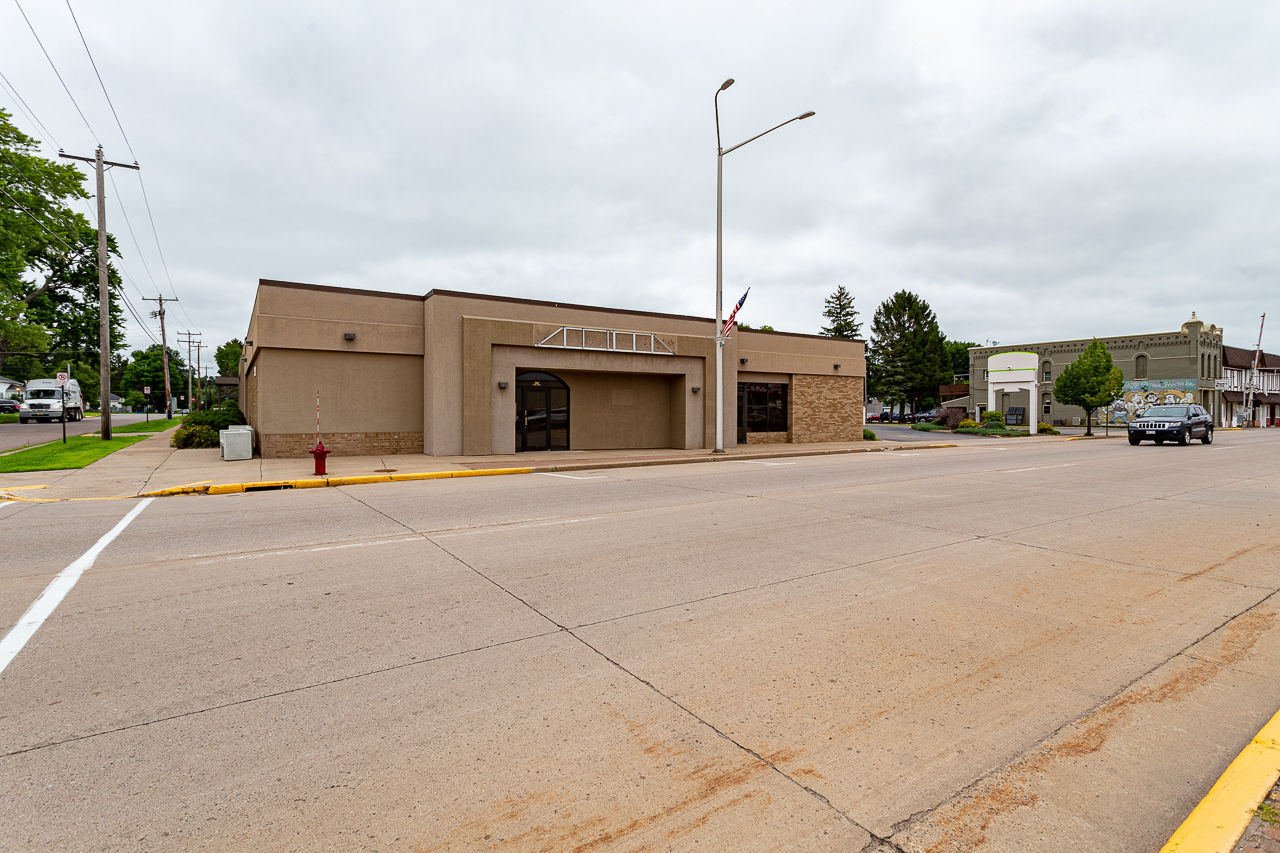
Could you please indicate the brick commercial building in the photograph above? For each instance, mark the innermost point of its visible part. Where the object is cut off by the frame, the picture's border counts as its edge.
(1161, 367)
(452, 374)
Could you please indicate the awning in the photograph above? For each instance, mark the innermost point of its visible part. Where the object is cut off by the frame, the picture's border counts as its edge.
(1260, 399)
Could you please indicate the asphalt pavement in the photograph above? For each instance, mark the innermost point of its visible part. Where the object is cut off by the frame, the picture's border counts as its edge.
(1002, 646)
(16, 435)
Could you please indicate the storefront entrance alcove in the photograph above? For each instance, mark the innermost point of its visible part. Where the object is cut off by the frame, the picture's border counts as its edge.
(542, 412)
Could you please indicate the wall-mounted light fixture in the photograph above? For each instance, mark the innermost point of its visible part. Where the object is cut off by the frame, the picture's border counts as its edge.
(248, 343)
(349, 336)
(697, 388)
(837, 367)
(743, 360)
(503, 384)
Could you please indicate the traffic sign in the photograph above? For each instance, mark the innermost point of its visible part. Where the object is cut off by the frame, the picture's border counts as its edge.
(146, 389)
(62, 378)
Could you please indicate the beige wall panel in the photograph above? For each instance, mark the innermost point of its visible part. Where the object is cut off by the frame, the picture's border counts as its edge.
(748, 376)
(617, 410)
(359, 392)
(679, 375)
(305, 318)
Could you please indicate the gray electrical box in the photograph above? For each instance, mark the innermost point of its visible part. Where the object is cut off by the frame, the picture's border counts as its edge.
(236, 442)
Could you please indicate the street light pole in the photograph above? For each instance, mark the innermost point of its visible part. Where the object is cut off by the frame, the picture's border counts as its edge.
(720, 152)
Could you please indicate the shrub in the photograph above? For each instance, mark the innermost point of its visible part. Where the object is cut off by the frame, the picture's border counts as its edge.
(1046, 429)
(952, 417)
(933, 427)
(967, 423)
(989, 418)
(194, 435)
(216, 419)
(868, 435)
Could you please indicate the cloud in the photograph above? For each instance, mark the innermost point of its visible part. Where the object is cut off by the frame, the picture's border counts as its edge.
(1035, 171)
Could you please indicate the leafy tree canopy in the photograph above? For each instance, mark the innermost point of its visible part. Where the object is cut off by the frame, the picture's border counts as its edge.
(842, 317)
(958, 356)
(1091, 382)
(48, 258)
(228, 357)
(146, 369)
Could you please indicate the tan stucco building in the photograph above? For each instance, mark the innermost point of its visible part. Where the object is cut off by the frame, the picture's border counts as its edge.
(454, 374)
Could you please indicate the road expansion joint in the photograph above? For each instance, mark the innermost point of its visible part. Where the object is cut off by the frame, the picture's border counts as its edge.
(275, 695)
(740, 746)
(498, 585)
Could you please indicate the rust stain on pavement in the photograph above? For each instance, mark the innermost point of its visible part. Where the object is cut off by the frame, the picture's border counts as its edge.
(687, 788)
(1237, 555)
(964, 821)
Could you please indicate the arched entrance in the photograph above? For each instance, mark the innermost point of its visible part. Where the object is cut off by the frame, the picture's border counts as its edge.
(542, 412)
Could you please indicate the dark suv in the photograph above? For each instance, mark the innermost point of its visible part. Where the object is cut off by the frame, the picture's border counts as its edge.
(1172, 423)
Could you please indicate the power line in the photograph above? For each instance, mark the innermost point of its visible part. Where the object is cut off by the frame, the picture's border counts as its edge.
(26, 108)
(141, 183)
(120, 204)
(55, 71)
(100, 83)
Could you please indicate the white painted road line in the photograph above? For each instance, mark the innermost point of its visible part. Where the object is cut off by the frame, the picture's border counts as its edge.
(57, 590)
(262, 554)
(571, 477)
(1040, 468)
(753, 462)
(6, 503)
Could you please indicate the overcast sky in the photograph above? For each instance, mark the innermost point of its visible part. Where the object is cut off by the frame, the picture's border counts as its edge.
(1036, 171)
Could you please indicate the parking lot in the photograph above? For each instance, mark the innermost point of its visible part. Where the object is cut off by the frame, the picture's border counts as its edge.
(1006, 645)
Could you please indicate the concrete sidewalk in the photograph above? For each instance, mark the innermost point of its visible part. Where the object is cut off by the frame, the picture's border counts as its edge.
(152, 465)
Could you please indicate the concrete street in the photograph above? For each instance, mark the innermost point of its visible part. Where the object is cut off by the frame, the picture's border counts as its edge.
(1008, 645)
(13, 436)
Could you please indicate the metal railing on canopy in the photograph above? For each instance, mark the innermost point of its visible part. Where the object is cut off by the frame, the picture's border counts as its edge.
(606, 340)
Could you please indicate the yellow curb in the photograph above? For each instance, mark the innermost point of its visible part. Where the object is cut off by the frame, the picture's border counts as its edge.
(316, 483)
(1216, 824)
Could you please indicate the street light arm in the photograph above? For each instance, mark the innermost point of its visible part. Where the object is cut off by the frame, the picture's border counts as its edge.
(758, 135)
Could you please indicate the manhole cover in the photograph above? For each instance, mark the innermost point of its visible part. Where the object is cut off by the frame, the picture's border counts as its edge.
(384, 470)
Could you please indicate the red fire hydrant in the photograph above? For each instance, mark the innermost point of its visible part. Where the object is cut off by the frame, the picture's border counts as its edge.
(319, 453)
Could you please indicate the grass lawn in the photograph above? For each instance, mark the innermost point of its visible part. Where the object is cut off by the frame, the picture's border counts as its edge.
(79, 451)
(7, 418)
(154, 425)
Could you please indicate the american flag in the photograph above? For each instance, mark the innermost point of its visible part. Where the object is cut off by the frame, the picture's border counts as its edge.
(728, 324)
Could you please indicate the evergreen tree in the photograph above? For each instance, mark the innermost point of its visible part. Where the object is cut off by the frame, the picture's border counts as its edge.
(907, 358)
(1091, 382)
(842, 317)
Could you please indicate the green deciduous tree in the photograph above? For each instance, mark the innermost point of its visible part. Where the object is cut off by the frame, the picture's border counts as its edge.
(958, 356)
(842, 317)
(228, 357)
(1091, 382)
(146, 369)
(907, 356)
(48, 259)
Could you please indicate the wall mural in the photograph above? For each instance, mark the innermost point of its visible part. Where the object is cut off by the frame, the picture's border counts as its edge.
(1141, 394)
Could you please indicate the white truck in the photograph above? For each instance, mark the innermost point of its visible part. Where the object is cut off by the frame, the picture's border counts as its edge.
(43, 401)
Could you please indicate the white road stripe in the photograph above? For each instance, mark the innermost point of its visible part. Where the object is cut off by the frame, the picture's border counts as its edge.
(6, 503)
(753, 462)
(1040, 468)
(262, 554)
(571, 477)
(57, 590)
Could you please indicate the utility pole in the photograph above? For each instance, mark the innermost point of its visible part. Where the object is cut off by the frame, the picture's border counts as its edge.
(189, 342)
(164, 350)
(1253, 380)
(199, 384)
(104, 287)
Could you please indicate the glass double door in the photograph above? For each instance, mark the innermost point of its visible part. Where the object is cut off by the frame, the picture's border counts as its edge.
(542, 417)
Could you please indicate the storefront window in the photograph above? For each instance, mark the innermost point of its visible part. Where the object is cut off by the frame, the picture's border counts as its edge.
(762, 406)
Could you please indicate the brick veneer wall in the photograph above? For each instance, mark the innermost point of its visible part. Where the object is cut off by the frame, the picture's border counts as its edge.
(768, 437)
(296, 445)
(825, 408)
